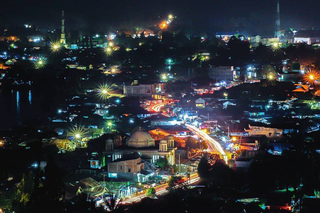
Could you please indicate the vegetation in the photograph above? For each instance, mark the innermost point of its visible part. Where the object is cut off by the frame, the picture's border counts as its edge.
(150, 192)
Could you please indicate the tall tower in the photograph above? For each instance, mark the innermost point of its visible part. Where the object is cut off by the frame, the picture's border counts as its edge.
(277, 33)
(63, 35)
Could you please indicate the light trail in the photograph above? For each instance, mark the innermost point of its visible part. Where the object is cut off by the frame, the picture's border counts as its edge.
(157, 107)
(162, 189)
(210, 141)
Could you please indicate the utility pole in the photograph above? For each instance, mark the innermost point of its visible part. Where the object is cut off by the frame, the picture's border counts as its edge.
(228, 132)
(63, 34)
(179, 165)
(277, 32)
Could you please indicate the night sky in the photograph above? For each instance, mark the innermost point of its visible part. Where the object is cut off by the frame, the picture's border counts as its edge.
(255, 16)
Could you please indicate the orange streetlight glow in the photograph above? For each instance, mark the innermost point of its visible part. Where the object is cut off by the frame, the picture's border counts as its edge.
(163, 25)
(311, 76)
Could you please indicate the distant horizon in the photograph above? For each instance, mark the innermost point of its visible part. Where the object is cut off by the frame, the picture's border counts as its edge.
(201, 16)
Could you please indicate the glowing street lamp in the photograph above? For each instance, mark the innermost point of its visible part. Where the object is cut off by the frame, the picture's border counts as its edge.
(104, 91)
(311, 77)
(275, 45)
(270, 76)
(39, 64)
(163, 25)
(78, 136)
(55, 46)
(78, 132)
(108, 50)
(164, 76)
(170, 16)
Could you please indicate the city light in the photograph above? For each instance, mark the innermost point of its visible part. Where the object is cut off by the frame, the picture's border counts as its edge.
(270, 76)
(78, 132)
(55, 46)
(106, 91)
(108, 50)
(163, 25)
(311, 76)
(275, 47)
(39, 64)
(164, 76)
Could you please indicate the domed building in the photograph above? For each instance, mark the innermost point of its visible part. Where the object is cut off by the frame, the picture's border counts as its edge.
(142, 143)
(141, 138)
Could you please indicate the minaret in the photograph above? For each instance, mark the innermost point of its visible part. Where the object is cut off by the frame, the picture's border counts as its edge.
(277, 33)
(63, 35)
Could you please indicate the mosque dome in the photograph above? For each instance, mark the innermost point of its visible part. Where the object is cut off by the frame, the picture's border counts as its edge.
(109, 140)
(163, 141)
(170, 137)
(141, 138)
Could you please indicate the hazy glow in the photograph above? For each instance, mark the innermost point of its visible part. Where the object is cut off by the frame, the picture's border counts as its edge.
(78, 132)
(107, 91)
(311, 76)
(39, 64)
(55, 46)
(270, 76)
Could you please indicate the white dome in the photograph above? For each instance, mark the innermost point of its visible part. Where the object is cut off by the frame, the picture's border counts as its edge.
(163, 141)
(141, 138)
(170, 137)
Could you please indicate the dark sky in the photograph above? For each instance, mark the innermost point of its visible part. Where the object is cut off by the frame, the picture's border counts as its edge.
(255, 16)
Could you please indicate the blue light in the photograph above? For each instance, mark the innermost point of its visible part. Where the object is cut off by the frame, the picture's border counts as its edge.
(118, 101)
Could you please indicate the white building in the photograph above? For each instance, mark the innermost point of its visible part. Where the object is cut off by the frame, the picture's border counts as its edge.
(267, 131)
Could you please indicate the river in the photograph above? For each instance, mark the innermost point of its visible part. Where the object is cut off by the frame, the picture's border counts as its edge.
(18, 107)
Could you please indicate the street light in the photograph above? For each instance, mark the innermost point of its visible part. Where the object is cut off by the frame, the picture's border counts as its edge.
(78, 136)
(55, 46)
(108, 50)
(311, 76)
(270, 76)
(39, 64)
(164, 77)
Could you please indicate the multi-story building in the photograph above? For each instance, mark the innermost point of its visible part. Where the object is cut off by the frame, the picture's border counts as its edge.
(269, 132)
(222, 73)
(144, 90)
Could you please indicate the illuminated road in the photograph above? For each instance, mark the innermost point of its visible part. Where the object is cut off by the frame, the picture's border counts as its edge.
(157, 107)
(161, 189)
(212, 144)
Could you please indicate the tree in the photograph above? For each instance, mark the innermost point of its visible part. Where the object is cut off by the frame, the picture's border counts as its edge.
(191, 143)
(204, 145)
(173, 182)
(24, 191)
(151, 192)
(162, 162)
(203, 167)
